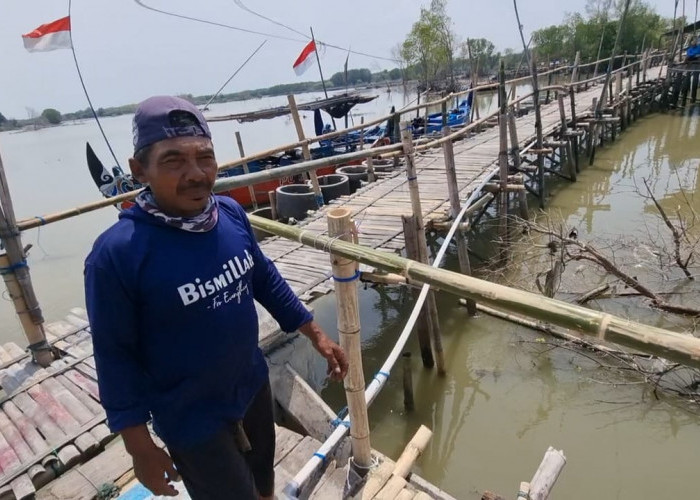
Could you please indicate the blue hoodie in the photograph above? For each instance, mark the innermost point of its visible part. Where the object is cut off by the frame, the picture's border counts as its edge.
(174, 325)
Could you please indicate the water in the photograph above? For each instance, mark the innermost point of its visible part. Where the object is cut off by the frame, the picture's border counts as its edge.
(508, 395)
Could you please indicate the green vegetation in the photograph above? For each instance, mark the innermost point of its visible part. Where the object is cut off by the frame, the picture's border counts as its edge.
(53, 116)
(594, 34)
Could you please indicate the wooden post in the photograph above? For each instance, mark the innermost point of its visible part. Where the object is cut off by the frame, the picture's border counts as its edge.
(524, 491)
(345, 270)
(273, 204)
(538, 130)
(572, 102)
(694, 88)
(564, 137)
(549, 84)
(423, 325)
(547, 473)
(574, 70)
(246, 170)
(503, 162)
(593, 133)
(305, 148)
(515, 158)
(408, 402)
(422, 244)
(15, 272)
(455, 209)
(443, 110)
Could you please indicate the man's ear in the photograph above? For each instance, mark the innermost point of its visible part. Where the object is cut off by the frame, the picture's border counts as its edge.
(137, 170)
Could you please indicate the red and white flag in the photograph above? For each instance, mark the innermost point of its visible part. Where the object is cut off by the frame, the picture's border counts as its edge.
(50, 36)
(304, 60)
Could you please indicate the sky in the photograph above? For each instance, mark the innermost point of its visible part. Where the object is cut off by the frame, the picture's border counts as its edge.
(127, 53)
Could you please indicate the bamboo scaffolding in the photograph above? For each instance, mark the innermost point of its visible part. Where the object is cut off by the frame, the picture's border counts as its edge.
(681, 348)
(340, 227)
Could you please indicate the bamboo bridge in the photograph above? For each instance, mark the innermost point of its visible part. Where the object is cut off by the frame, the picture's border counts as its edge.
(51, 423)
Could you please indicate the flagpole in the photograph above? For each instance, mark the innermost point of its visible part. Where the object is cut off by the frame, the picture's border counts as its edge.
(80, 76)
(320, 71)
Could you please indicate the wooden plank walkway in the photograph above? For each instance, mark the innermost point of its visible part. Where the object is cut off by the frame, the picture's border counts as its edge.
(377, 207)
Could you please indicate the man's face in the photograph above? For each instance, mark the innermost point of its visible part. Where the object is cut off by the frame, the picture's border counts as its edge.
(181, 172)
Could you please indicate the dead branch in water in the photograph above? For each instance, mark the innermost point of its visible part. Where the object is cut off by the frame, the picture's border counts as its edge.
(580, 251)
(675, 233)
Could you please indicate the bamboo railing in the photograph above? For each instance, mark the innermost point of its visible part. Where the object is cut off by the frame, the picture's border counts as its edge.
(683, 349)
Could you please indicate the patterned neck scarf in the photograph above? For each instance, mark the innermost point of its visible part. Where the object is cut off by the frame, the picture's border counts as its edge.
(198, 224)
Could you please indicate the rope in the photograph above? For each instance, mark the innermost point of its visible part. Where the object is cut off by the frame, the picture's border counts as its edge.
(12, 267)
(354, 277)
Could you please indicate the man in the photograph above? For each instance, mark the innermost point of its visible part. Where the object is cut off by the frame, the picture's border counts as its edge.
(169, 291)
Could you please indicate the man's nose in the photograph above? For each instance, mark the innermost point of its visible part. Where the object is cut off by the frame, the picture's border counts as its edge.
(194, 170)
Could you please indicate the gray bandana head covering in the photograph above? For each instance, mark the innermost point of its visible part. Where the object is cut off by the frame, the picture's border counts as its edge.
(206, 221)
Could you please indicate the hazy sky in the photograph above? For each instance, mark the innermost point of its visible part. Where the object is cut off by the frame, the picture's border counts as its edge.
(127, 53)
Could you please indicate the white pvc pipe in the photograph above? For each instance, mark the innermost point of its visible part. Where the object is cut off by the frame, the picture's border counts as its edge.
(292, 488)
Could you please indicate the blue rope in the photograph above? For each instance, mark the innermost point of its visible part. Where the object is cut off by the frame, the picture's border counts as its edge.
(412, 178)
(340, 421)
(347, 280)
(41, 219)
(321, 456)
(384, 374)
(11, 268)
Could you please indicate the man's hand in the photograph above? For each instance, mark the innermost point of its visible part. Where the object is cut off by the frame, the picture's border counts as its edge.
(337, 362)
(155, 470)
(152, 466)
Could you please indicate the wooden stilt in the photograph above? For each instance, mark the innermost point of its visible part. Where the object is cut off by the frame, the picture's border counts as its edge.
(272, 195)
(422, 244)
(305, 148)
(571, 165)
(576, 139)
(538, 131)
(443, 111)
(593, 133)
(423, 325)
(455, 209)
(408, 402)
(345, 271)
(523, 208)
(246, 170)
(547, 473)
(503, 164)
(574, 69)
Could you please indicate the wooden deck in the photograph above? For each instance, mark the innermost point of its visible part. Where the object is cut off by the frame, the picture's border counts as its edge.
(377, 207)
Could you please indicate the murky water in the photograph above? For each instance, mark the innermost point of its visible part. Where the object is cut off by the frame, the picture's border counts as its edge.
(507, 395)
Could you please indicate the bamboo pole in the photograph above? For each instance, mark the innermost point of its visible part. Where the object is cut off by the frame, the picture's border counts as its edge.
(413, 450)
(423, 324)
(414, 193)
(15, 272)
(547, 474)
(574, 70)
(455, 209)
(524, 491)
(503, 163)
(677, 347)
(345, 274)
(272, 195)
(246, 170)
(538, 131)
(305, 148)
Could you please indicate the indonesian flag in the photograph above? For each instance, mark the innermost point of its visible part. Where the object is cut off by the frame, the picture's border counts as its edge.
(304, 60)
(50, 36)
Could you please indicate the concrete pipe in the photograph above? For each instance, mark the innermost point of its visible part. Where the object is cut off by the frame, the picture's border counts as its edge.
(386, 165)
(267, 214)
(293, 200)
(333, 186)
(356, 174)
